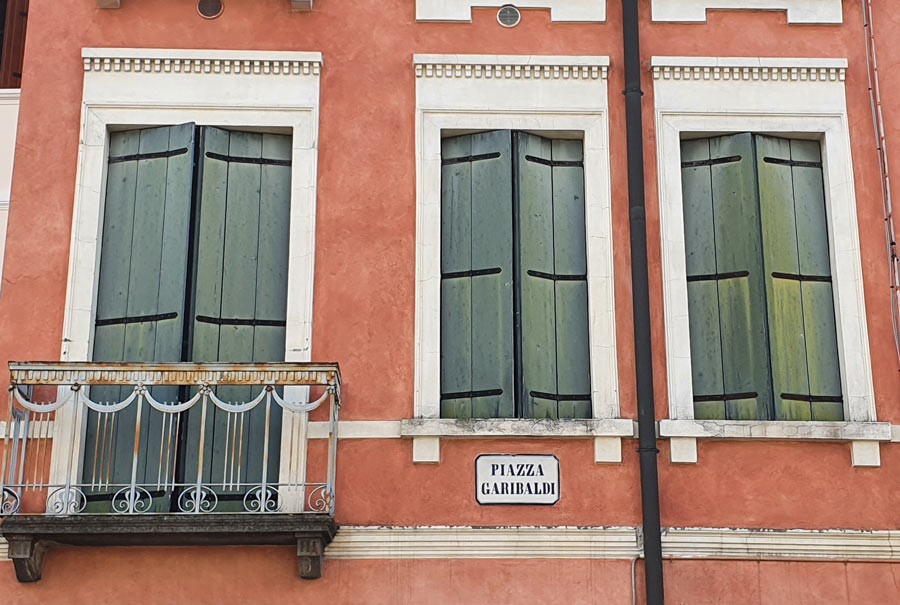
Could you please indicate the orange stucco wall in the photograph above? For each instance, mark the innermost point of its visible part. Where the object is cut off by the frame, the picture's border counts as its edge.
(364, 310)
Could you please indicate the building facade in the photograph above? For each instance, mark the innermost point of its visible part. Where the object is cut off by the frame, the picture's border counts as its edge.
(434, 195)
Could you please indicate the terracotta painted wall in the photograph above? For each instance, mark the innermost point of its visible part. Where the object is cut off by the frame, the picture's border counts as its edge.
(364, 305)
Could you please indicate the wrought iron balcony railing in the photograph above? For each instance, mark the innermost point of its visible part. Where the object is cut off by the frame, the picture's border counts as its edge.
(179, 438)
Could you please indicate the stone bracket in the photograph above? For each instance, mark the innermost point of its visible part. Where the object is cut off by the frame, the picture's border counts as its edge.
(30, 536)
(27, 555)
(310, 557)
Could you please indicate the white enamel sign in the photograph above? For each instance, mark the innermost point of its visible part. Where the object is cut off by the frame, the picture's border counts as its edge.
(516, 479)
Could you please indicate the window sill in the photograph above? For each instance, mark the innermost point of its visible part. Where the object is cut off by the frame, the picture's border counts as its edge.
(863, 436)
(607, 433)
(30, 536)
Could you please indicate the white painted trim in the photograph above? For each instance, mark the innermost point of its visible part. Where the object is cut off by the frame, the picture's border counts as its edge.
(385, 542)
(213, 62)
(379, 542)
(370, 542)
(120, 94)
(806, 99)
(452, 95)
(560, 10)
(10, 95)
(774, 429)
(516, 427)
(798, 11)
(794, 544)
(693, 429)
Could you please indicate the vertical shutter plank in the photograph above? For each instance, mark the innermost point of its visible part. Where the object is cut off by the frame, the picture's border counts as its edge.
(785, 308)
(456, 294)
(818, 297)
(703, 297)
(538, 296)
(570, 259)
(143, 271)
(741, 298)
(492, 305)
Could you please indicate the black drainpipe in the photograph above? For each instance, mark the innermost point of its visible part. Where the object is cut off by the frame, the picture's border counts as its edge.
(640, 291)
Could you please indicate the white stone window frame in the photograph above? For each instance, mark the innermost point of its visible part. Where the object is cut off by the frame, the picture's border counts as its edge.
(560, 10)
(697, 96)
(133, 88)
(798, 11)
(565, 95)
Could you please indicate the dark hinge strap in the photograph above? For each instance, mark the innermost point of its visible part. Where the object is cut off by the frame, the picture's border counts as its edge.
(470, 158)
(473, 273)
(718, 276)
(812, 398)
(556, 276)
(243, 160)
(713, 162)
(469, 394)
(801, 277)
(558, 397)
(792, 163)
(221, 321)
(147, 156)
(724, 396)
(555, 163)
(134, 319)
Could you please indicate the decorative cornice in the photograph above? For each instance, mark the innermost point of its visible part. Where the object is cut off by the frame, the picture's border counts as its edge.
(360, 542)
(511, 67)
(796, 544)
(357, 542)
(748, 69)
(263, 63)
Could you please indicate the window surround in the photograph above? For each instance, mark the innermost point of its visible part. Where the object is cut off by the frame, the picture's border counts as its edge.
(557, 95)
(560, 10)
(778, 96)
(134, 88)
(798, 11)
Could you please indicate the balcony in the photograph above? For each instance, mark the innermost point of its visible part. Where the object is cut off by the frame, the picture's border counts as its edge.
(168, 454)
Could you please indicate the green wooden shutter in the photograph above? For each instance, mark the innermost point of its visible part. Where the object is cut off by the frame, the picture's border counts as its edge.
(240, 297)
(477, 375)
(726, 298)
(552, 278)
(803, 340)
(143, 272)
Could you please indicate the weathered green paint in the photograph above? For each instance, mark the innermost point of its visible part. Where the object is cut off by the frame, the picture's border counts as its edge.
(476, 311)
(143, 268)
(570, 259)
(241, 260)
(478, 216)
(775, 334)
(725, 279)
(538, 295)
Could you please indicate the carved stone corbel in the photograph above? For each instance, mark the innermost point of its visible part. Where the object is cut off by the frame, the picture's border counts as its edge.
(310, 557)
(27, 555)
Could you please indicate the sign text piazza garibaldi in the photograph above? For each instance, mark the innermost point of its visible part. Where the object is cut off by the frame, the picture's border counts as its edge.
(517, 479)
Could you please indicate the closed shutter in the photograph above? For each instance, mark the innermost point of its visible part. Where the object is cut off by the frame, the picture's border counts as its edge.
(239, 303)
(726, 300)
(477, 376)
(803, 341)
(140, 295)
(13, 24)
(552, 278)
